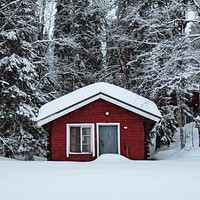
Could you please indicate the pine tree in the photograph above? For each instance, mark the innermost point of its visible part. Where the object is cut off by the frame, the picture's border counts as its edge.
(128, 42)
(117, 47)
(149, 53)
(170, 68)
(19, 99)
(77, 44)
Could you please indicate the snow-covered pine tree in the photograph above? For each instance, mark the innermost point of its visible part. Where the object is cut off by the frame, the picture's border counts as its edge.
(77, 49)
(118, 46)
(149, 53)
(19, 134)
(171, 66)
(128, 42)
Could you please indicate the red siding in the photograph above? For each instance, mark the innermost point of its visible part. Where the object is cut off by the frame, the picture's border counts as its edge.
(95, 113)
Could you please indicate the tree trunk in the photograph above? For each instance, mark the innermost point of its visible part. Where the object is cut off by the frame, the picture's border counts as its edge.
(180, 119)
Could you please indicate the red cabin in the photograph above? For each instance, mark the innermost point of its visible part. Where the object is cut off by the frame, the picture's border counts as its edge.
(98, 119)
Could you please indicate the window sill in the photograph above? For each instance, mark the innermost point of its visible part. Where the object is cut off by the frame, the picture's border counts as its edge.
(74, 153)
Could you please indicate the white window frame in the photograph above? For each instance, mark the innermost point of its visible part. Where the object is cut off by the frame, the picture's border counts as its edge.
(68, 139)
(118, 133)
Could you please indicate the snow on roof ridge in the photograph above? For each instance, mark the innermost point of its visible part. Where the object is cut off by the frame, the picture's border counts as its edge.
(90, 93)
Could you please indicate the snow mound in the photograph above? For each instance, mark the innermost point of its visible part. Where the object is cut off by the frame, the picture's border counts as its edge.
(178, 154)
(5, 159)
(112, 158)
(191, 150)
(191, 154)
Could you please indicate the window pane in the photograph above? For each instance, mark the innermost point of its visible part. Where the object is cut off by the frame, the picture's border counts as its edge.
(86, 131)
(86, 139)
(75, 139)
(86, 148)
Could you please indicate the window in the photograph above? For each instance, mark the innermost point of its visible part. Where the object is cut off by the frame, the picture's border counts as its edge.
(80, 138)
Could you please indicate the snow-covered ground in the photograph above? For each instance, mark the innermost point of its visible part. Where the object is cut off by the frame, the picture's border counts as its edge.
(177, 177)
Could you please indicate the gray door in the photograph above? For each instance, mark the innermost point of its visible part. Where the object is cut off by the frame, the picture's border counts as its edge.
(108, 139)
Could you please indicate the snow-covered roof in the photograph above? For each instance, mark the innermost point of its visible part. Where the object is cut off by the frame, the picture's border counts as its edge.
(108, 92)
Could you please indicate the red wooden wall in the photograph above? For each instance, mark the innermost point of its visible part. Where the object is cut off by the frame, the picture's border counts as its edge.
(94, 112)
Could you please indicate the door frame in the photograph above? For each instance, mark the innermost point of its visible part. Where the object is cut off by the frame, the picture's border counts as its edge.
(118, 134)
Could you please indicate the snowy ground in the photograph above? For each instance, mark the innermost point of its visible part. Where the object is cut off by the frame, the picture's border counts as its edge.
(177, 177)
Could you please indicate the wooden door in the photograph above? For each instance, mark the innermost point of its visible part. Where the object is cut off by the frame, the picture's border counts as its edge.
(108, 139)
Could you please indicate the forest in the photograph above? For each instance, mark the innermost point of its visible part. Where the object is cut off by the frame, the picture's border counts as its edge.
(49, 48)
